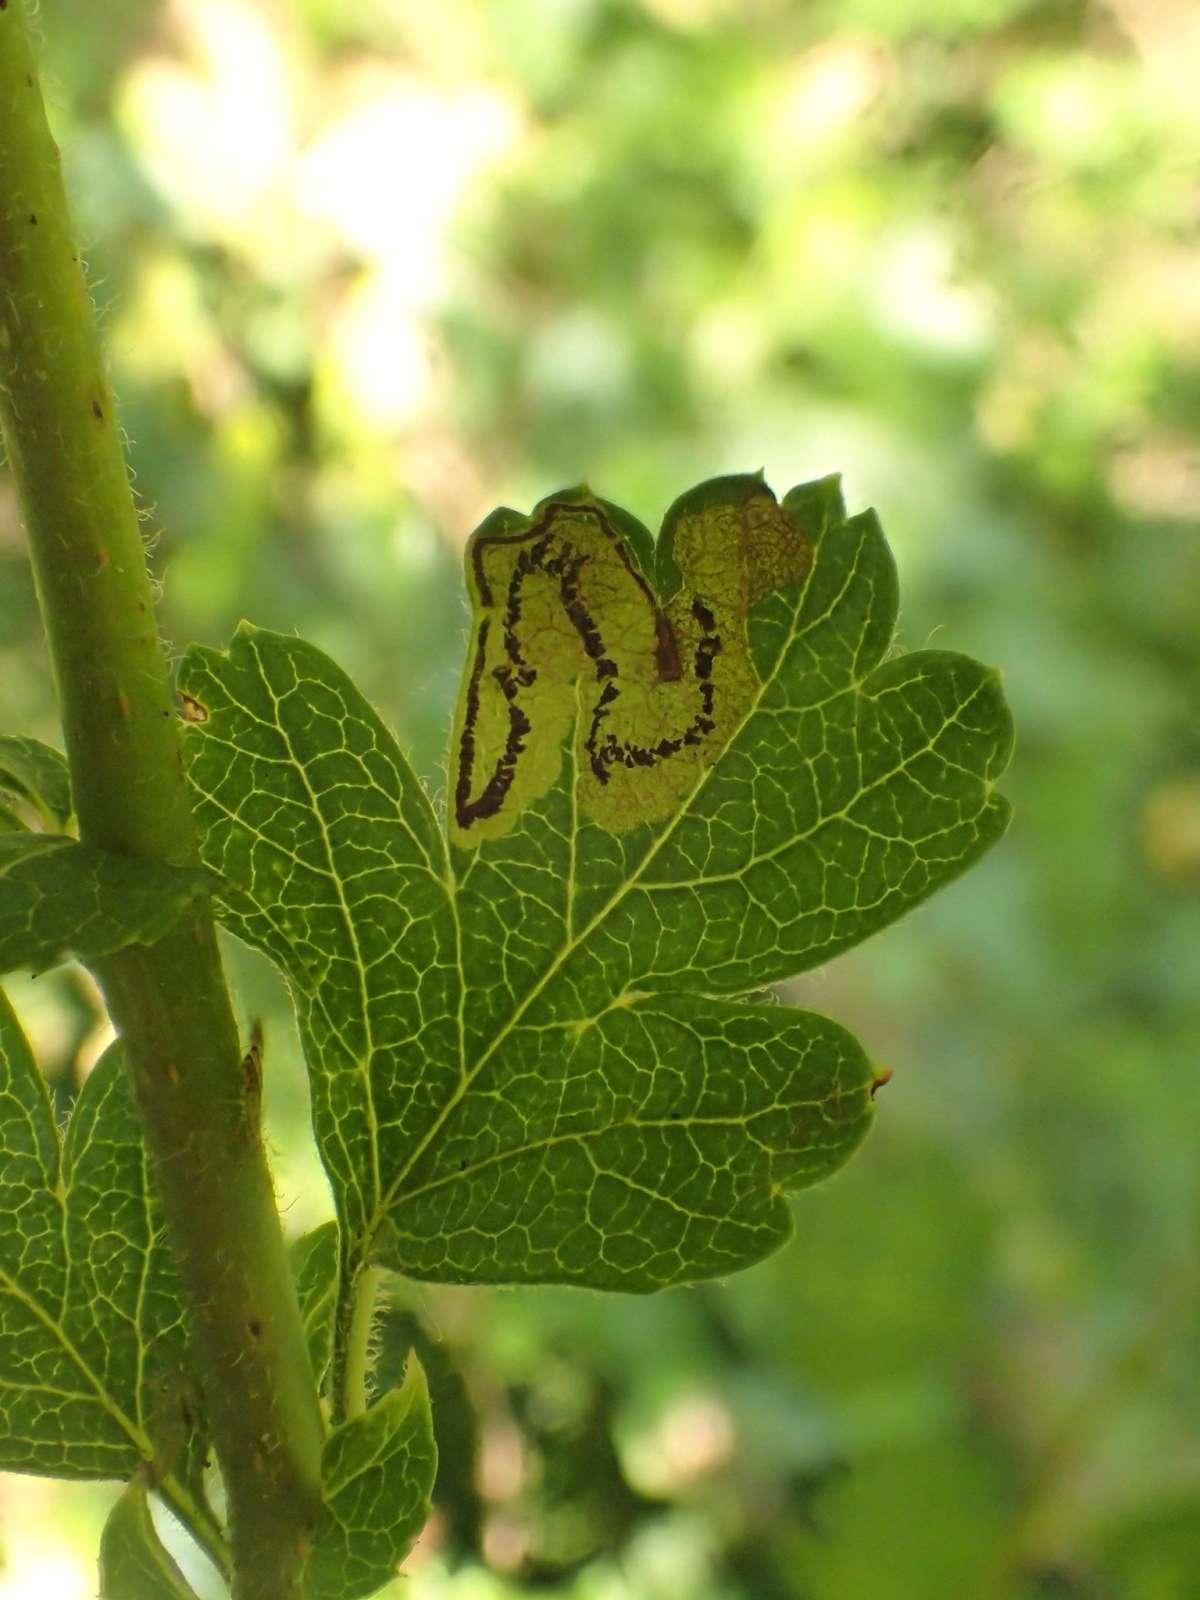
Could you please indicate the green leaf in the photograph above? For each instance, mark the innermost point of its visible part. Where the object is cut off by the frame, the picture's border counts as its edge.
(530, 1052)
(10, 822)
(37, 775)
(377, 1473)
(60, 900)
(94, 1378)
(314, 1261)
(134, 1565)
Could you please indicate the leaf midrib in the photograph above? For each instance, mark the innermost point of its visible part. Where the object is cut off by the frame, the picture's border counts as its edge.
(624, 888)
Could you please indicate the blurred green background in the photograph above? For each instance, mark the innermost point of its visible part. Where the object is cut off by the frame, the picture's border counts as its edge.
(367, 270)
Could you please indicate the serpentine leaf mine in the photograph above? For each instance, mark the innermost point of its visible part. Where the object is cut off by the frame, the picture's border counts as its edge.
(570, 636)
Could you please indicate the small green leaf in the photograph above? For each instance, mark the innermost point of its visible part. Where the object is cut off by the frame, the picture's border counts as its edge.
(94, 1376)
(314, 1261)
(679, 773)
(10, 822)
(38, 775)
(377, 1473)
(60, 900)
(134, 1564)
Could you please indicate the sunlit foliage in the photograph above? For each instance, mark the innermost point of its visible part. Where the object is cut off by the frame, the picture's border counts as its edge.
(367, 271)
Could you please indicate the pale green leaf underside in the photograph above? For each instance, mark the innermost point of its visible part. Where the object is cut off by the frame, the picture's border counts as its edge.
(134, 1564)
(92, 1330)
(37, 775)
(377, 1474)
(60, 900)
(529, 1057)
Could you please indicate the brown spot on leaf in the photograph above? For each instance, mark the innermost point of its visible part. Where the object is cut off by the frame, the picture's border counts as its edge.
(191, 709)
(879, 1080)
(97, 411)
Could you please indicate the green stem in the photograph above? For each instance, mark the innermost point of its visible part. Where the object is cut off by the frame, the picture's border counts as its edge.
(352, 1401)
(199, 1521)
(169, 1002)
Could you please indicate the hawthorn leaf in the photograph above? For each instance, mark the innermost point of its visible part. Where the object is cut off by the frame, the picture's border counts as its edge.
(314, 1262)
(36, 774)
(377, 1474)
(94, 1375)
(679, 773)
(61, 900)
(134, 1563)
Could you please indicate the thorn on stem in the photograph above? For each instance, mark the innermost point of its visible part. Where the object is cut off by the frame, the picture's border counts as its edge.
(252, 1065)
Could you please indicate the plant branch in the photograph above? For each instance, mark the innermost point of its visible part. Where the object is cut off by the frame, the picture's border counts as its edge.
(169, 1002)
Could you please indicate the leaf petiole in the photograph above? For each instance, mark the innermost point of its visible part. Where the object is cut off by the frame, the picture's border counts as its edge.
(356, 1367)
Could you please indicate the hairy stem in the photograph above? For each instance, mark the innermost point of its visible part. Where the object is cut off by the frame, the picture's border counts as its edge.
(169, 1002)
(199, 1521)
(351, 1401)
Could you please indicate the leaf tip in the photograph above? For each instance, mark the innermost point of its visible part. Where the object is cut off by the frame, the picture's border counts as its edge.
(414, 1385)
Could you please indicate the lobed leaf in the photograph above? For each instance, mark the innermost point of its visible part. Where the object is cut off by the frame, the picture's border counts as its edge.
(679, 773)
(93, 1344)
(61, 900)
(377, 1475)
